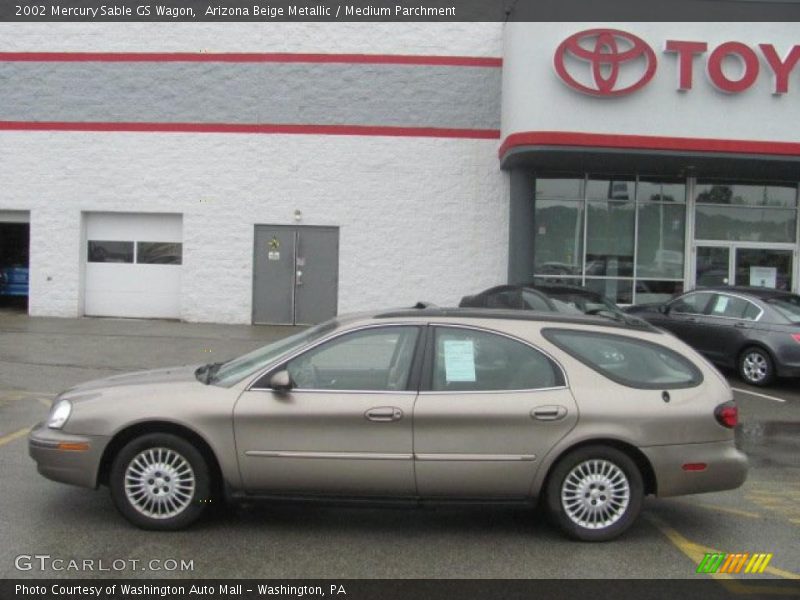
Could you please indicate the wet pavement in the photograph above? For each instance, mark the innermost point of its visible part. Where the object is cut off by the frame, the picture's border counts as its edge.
(39, 357)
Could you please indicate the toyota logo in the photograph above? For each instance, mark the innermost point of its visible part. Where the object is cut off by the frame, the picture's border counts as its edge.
(608, 53)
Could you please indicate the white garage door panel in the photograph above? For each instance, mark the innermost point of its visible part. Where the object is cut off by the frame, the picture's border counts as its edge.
(129, 227)
(133, 290)
(122, 290)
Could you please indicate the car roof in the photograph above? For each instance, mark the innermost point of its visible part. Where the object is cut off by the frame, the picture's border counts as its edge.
(431, 312)
(545, 288)
(758, 292)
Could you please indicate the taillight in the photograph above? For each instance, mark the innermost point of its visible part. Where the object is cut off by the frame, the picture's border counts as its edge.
(796, 337)
(727, 415)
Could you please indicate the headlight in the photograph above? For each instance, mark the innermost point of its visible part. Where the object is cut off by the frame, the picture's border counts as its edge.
(59, 414)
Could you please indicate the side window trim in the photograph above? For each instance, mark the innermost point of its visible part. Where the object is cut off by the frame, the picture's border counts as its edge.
(737, 297)
(426, 383)
(268, 372)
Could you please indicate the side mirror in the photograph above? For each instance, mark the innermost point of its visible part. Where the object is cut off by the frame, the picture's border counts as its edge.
(281, 381)
(664, 309)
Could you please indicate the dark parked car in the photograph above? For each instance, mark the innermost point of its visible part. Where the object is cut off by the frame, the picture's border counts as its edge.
(559, 298)
(755, 330)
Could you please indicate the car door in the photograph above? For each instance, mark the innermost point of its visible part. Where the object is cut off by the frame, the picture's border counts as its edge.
(490, 408)
(725, 327)
(344, 428)
(683, 316)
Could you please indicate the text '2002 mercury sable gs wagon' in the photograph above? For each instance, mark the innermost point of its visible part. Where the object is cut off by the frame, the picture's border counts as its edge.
(583, 413)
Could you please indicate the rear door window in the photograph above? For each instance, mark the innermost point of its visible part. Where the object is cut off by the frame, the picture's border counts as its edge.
(469, 360)
(626, 360)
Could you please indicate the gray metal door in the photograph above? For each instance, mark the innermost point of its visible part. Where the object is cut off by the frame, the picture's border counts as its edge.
(295, 274)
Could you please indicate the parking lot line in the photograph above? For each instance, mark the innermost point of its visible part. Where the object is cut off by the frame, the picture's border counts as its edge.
(759, 394)
(696, 552)
(13, 436)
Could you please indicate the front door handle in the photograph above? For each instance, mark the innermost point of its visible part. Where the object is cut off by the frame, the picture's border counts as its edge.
(384, 414)
(549, 413)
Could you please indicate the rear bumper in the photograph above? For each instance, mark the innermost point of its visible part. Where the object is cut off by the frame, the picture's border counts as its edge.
(60, 456)
(726, 468)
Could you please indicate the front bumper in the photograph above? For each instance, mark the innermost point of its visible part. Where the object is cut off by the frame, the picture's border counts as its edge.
(64, 457)
(726, 468)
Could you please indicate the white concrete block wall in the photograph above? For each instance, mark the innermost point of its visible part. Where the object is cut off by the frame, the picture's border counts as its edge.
(446, 39)
(420, 218)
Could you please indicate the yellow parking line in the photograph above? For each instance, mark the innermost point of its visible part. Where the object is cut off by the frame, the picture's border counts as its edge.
(696, 552)
(13, 436)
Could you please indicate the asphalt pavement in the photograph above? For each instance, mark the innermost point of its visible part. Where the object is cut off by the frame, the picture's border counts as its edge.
(41, 356)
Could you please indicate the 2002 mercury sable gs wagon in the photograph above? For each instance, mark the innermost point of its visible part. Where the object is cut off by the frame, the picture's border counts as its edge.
(585, 413)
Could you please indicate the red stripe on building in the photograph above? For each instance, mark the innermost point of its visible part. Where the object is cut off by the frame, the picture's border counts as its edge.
(646, 142)
(234, 57)
(362, 130)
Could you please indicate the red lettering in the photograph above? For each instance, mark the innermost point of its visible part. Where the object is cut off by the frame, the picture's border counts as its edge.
(749, 62)
(686, 52)
(780, 68)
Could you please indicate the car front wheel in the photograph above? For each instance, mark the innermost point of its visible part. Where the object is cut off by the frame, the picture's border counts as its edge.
(160, 481)
(755, 367)
(595, 493)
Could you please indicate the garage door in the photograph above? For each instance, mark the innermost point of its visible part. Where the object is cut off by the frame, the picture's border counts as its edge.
(133, 265)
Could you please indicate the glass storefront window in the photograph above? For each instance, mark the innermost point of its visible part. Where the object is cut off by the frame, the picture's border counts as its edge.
(600, 188)
(649, 291)
(609, 239)
(559, 238)
(743, 224)
(714, 192)
(560, 187)
(625, 237)
(616, 290)
(660, 190)
(764, 268)
(661, 241)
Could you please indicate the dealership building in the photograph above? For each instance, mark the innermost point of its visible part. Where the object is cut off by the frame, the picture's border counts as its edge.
(287, 172)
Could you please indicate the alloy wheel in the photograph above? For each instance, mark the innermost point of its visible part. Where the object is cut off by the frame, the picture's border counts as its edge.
(159, 483)
(595, 494)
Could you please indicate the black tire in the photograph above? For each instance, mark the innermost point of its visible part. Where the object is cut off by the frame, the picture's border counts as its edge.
(756, 366)
(188, 503)
(621, 516)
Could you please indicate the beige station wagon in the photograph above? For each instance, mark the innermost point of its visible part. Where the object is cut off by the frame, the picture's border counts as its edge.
(586, 414)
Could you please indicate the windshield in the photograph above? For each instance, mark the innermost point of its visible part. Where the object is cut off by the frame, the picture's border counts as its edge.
(788, 306)
(237, 369)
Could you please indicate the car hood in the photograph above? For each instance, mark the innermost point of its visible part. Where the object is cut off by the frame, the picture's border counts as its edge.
(155, 376)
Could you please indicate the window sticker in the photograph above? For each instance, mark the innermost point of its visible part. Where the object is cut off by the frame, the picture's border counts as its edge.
(459, 360)
(721, 305)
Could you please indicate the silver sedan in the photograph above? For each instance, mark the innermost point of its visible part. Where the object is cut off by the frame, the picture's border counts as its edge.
(585, 414)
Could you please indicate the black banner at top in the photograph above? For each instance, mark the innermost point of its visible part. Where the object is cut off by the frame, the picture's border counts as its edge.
(397, 10)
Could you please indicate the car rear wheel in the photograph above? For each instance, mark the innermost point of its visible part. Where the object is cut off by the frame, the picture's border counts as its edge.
(160, 481)
(595, 493)
(756, 367)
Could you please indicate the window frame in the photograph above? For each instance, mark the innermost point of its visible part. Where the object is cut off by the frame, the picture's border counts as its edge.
(696, 380)
(426, 379)
(706, 306)
(412, 385)
(710, 313)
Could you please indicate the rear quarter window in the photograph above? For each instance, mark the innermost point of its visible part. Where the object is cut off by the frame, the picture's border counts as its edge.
(628, 361)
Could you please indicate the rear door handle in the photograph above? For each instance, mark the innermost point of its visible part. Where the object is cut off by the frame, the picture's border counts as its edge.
(549, 413)
(384, 414)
